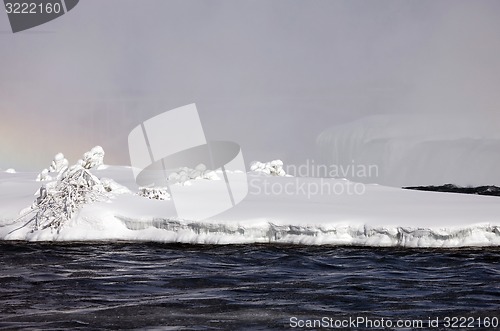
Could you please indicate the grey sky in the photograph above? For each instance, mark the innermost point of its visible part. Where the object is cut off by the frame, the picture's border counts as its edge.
(269, 75)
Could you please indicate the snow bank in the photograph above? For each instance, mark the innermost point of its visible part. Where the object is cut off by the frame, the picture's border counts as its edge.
(416, 150)
(273, 168)
(305, 211)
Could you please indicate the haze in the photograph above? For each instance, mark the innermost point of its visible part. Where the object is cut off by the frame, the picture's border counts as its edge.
(270, 75)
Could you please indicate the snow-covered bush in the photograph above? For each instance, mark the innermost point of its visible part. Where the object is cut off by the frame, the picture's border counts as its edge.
(184, 175)
(156, 193)
(273, 168)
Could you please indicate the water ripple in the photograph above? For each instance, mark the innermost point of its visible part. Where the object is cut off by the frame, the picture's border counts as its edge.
(127, 286)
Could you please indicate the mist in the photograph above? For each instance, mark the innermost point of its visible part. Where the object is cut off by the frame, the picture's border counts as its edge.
(270, 75)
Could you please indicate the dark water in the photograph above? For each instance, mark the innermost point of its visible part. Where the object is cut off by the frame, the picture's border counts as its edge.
(169, 287)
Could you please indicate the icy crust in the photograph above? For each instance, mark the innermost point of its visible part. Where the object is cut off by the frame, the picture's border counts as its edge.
(217, 233)
(120, 228)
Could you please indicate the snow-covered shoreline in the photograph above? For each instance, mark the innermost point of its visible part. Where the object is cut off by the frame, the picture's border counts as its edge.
(378, 216)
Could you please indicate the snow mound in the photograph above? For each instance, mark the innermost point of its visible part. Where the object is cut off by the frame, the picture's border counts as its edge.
(273, 168)
(416, 150)
(10, 171)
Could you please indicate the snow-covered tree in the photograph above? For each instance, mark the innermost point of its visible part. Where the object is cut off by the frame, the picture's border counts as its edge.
(58, 200)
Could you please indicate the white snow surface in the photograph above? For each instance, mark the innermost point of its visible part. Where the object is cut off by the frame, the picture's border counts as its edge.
(311, 211)
(414, 150)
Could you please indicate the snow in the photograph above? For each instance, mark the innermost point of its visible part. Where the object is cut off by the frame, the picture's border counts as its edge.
(416, 150)
(308, 211)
